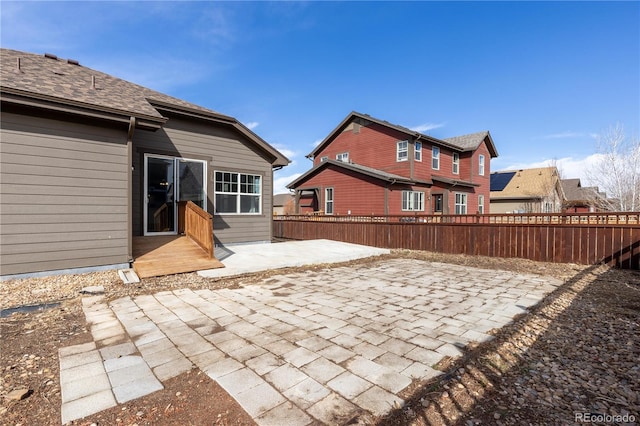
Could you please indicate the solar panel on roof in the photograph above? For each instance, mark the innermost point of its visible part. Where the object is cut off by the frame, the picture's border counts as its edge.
(500, 180)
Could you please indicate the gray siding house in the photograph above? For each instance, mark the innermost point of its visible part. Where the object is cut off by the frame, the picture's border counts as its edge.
(88, 161)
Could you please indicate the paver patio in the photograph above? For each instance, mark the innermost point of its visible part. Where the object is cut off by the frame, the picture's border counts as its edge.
(304, 347)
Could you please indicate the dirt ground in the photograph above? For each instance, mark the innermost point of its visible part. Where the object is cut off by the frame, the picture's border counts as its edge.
(30, 387)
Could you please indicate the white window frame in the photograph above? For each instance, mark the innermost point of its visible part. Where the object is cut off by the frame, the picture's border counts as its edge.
(328, 200)
(402, 150)
(435, 158)
(481, 165)
(343, 156)
(455, 164)
(461, 202)
(238, 193)
(417, 151)
(412, 201)
(323, 158)
(481, 204)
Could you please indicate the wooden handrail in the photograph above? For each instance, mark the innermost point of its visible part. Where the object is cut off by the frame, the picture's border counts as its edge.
(198, 225)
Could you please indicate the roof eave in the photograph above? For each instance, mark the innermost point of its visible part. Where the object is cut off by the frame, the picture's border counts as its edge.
(51, 103)
(455, 182)
(354, 114)
(279, 159)
(348, 166)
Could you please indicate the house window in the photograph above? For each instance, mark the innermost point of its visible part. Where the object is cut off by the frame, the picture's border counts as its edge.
(417, 151)
(328, 200)
(435, 158)
(456, 163)
(548, 207)
(437, 203)
(481, 204)
(323, 158)
(344, 157)
(481, 165)
(402, 151)
(461, 203)
(238, 193)
(412, 201)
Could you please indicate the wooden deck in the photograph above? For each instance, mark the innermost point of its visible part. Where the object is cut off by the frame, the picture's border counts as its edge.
(166, 255)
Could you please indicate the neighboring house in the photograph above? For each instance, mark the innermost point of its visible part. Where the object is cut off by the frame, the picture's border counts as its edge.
(579, 199)
(367, 166)
(90, 160)
(283, 204)
(526, 191)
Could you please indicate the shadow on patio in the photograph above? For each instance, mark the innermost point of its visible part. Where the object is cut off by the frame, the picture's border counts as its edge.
(576, 352)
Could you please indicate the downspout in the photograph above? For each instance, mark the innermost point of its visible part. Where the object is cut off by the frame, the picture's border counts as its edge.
(132, 127)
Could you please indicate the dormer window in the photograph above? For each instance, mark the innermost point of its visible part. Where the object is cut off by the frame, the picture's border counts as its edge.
(344, 157)
(402, 151)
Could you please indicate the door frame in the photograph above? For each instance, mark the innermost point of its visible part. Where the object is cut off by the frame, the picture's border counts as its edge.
(176, 190)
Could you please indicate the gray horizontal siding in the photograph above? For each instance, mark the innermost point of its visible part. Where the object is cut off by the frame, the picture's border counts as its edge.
(227, 150)
(64, 195)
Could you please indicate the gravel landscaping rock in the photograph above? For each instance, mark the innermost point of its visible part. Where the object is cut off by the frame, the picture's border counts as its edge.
(576, 352)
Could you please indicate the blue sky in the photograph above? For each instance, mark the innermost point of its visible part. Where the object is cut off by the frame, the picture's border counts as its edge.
(543, 77)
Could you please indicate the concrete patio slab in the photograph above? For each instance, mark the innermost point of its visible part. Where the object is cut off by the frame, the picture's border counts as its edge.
(246, 258)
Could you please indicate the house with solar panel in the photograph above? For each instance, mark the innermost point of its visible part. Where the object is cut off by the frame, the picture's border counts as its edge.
(537, 190)
(368, 166)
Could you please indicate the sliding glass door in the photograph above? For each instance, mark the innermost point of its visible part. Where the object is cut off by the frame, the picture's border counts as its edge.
(167, 181)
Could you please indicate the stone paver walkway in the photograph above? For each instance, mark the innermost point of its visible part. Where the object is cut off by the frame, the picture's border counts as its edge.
(298, 348)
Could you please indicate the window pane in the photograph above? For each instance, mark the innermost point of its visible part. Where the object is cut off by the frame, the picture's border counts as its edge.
(226, 203)
(249, 204)
(435, 158)
(402, 151)
(255, 185)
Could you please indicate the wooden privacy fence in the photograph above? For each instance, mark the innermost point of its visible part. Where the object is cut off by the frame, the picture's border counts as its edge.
(198, 225)
(583, 238)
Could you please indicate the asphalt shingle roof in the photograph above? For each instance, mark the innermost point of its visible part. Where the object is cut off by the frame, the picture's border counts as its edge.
(526, 183)
(66, 80)
(468, 142)
(369, 171)
(461, 143)
(50, 80)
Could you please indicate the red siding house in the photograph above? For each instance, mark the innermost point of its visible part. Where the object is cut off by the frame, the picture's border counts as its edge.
(367, 166)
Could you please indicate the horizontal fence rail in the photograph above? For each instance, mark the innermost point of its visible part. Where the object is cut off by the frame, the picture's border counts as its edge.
(582, 238)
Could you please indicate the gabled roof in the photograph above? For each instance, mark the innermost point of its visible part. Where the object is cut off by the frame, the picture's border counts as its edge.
(572, 189)
(280, 200)
(48, 82)
(367, 171)
(527, 183)
(574, 192)
(459, 144)
(472, 141)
